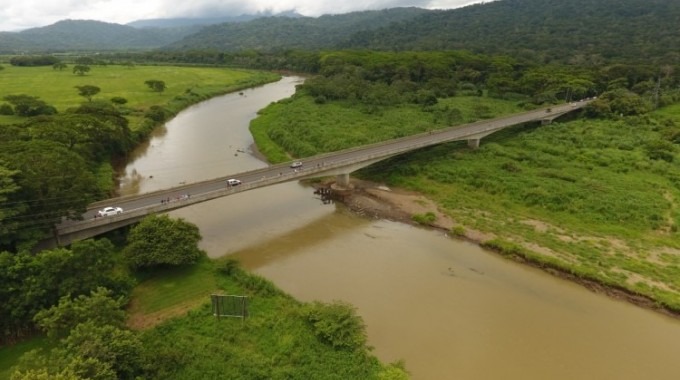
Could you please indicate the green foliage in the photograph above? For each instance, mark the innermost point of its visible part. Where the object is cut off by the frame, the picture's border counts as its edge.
(36, 282)
(336, 324)
(119, 100)
(86, 134)
(25, 105)
(81, 69)
(33, 60)
(285, 33)
(580, 32)
(157, 113)
(88, 91)
(159, 240)
(59, 66)
(118, 348)
(98, 307)
(47, 171)
(6, 109)
(91, 351)
(155, 85)
(276, 341)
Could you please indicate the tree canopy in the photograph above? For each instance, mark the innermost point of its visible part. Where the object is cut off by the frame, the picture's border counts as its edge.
(159, 240)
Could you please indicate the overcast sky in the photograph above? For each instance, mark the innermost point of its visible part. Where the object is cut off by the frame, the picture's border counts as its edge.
(16, 15)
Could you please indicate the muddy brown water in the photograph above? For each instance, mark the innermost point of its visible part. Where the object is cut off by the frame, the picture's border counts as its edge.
(449, 309)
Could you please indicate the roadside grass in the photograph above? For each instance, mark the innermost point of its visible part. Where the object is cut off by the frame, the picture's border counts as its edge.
(184, 85)
(596, 198)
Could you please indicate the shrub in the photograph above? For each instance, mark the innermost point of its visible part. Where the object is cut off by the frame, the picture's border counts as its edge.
(6, 109)
(336, 324)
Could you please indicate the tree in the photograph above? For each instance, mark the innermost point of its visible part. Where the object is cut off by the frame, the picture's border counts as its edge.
(99, 307)
(59, 66)
(8, 210)
(119, 348)
(81, 69)
(156, 85)
(118, 100)
(88, 91)
(47, 172)
(159, 240)
(26, 105)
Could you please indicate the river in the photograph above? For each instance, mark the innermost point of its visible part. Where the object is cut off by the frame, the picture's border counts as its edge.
(446, 307)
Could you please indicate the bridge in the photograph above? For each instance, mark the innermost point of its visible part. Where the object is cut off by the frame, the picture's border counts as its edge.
(339, 164)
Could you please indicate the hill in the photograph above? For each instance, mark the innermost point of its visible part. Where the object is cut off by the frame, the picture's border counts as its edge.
(576, 31)
(281, 33)
(88, 35)
(182, 22)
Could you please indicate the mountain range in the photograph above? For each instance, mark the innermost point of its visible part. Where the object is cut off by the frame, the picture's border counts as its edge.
(575, 31)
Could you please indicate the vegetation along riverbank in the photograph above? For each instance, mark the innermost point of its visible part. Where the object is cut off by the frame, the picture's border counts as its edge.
(591, 196)
(65, 286)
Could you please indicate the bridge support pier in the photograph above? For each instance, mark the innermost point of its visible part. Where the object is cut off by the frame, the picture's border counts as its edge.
(473, 143)
(342, 180)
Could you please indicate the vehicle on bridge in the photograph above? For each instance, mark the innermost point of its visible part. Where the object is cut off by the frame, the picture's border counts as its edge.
(108, 211)
(296, 164)
(233, 182)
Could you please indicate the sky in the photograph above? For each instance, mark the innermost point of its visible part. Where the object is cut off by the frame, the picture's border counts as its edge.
(16, 15)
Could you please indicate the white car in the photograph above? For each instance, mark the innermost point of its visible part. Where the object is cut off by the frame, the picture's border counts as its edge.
(296, 164)
(233, 182)
(107, 211)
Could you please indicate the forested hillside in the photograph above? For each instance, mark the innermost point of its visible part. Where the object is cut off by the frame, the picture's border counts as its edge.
(281, 33)
(88, 35)
(573, 31)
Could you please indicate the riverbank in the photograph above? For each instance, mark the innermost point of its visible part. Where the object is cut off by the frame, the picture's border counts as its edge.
(375, 200)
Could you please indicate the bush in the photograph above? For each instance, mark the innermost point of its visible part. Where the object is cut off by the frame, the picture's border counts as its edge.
(336, 324)
(6, 109)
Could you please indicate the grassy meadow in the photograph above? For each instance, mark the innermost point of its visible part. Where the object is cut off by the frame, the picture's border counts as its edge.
(598, 199)
(184, 85)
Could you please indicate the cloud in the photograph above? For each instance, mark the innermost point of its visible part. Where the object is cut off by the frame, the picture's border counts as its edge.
(16, 15)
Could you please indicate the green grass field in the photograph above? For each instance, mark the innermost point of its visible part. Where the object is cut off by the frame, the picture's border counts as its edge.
(57, 88)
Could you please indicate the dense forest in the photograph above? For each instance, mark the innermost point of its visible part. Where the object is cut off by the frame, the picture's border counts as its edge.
(277, 33)
(580, 32)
